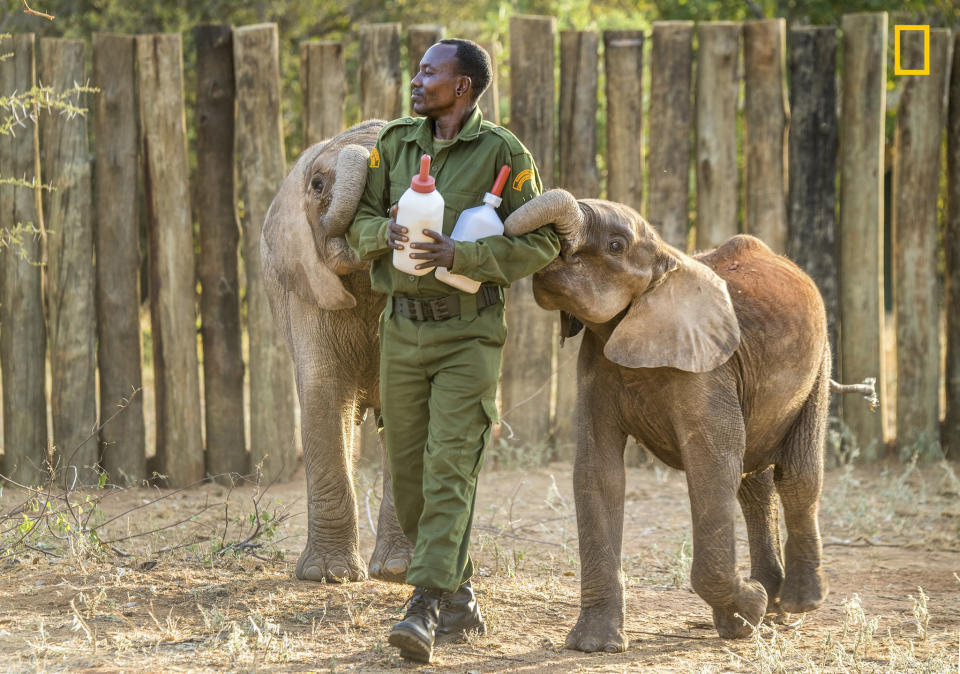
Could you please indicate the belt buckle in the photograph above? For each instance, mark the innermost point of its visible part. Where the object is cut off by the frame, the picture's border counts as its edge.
(410, 308)
(439, 309)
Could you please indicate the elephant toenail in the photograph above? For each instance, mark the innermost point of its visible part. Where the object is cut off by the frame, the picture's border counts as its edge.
(395, 565)
(611, 648)
(339, 573)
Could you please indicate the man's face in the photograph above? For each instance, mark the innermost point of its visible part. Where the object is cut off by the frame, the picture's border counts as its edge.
(436, 87)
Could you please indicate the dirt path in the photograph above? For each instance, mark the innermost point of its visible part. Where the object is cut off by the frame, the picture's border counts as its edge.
(888, 531)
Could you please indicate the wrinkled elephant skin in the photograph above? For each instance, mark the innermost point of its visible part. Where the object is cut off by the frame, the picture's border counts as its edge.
(719, 365)
(323, 306)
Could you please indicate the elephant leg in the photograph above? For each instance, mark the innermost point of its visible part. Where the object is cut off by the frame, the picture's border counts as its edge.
(598, 487)
(757, 496)
(391, 556)
(799, 479)
(332, 551)
(713, 465)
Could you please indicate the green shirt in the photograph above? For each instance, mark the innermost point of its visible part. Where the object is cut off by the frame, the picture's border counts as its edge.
(464, 170)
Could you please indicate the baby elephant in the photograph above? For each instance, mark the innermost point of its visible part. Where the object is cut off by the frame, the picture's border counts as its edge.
(719, 365)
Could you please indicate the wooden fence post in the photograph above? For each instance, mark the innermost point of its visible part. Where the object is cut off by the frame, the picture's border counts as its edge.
(323, 84)
(578, 113)
(22, 331)
(489, 102)
(765, 141)
(717, 90)
(950, 434)
(532, 90)
(623, 61)
(861, 219)
(172, 278)
(381, 71)
(528, 359)
(215, 207)
(671, 65)
(419, 39)
(916, 184)
(70, 274)
(261, 169)
(579, 62)
(116, 238)
(812, 240)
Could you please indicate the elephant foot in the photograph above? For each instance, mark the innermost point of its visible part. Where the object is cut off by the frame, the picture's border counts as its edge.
(391, 558)
(332, 567)
(598, 631)
(803, 592)
(739, 620)
(775, 614)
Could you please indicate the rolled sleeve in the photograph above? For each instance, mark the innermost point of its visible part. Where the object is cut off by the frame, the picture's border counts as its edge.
(505, 259)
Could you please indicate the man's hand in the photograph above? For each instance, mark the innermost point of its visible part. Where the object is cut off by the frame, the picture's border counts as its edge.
(437, 254)
(397, 235)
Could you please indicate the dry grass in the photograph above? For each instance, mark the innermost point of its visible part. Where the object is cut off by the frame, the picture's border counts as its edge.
(891, 554)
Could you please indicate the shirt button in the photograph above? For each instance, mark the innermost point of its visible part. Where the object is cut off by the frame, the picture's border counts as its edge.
(411, 277)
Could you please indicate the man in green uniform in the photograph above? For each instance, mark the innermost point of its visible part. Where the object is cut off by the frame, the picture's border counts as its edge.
(440, 348)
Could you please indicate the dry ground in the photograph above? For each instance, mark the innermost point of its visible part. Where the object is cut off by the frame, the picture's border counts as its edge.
(889, 531)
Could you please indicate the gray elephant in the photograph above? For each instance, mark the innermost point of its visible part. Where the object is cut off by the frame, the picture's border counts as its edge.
(323, 306)
(719, 365)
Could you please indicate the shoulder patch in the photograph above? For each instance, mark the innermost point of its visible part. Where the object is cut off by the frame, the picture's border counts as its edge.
(521, 178)
(374, 158)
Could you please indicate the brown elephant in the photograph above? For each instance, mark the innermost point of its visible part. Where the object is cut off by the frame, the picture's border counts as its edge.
(719, 365)
(322, 303)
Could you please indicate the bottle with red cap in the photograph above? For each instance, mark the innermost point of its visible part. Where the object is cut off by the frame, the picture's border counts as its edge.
(419, 208)
(474, 224)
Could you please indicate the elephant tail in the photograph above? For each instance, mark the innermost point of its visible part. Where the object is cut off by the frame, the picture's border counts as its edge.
(867, 388)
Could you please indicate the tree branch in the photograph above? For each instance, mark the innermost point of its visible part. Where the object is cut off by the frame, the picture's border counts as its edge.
(26, 8)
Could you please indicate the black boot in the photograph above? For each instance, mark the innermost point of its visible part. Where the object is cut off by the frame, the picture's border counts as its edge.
(459, 614)
(414, 634)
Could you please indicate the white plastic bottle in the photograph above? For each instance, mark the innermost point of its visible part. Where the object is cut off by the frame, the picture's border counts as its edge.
(474, 224)
(419, 208)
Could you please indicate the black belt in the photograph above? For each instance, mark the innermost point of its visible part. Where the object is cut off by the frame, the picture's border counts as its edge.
(441, 308)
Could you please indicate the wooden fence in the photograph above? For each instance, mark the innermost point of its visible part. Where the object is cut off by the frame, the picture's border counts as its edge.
(793, 145)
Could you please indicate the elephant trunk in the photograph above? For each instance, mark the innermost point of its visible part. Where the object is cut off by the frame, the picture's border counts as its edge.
(351, 172)
(557, 207)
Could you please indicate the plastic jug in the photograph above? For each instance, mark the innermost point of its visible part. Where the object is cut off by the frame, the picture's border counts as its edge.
(474, 224)
(419, 208)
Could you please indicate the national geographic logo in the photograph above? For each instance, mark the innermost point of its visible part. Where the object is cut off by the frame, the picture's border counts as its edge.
(897, 70)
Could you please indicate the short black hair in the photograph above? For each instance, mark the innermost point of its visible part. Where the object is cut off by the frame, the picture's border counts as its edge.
(474, 63)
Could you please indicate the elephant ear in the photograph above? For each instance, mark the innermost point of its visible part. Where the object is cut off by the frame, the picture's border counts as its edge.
(686, 322)
(289, 252)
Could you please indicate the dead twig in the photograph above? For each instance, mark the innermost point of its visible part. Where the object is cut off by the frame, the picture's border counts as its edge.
(42, 15)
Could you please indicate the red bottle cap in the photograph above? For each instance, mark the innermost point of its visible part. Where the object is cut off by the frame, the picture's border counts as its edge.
(423, 182)
(501, 180)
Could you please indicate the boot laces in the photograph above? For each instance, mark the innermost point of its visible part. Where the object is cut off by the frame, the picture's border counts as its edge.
(416, 603)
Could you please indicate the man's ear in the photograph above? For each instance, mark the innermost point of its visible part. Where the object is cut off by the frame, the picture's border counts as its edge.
(463, 85)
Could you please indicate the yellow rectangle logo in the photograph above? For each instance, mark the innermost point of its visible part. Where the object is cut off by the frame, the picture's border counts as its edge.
(897, 70)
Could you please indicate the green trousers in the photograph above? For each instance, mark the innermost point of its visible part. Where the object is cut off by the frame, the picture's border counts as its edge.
(438, 386)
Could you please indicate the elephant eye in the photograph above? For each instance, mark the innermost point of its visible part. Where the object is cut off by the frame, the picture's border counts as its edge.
(316, 184)
(616, 246)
